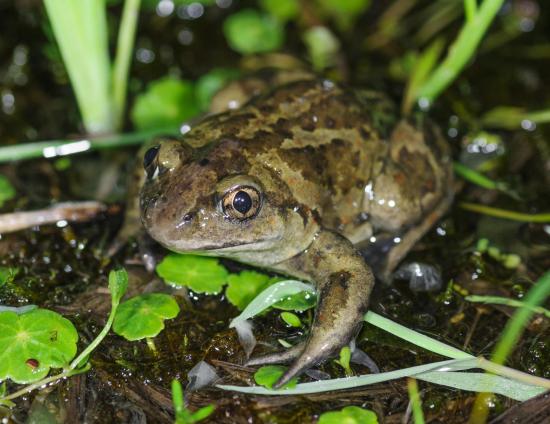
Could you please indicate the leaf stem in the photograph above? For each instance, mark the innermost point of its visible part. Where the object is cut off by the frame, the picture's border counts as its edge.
(55, 148)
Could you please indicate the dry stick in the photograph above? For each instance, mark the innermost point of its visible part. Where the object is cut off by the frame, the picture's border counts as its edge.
(68, 211)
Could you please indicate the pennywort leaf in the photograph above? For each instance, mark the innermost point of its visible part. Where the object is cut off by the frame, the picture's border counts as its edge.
(200, 274)
(34, 342)
(143, 316)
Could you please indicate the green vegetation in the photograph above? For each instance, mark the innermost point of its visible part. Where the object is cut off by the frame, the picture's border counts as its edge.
(33, 343)
(502, 213)
(143, 316)
(183, 415)
(250, 31)
(200, 274)
(245, 286)
(461, 51)
(507, 382)
(167, 102)
(291, 319)
(416, 405)
(509, 338)
(349, 415)
(7, 192)
(344, 360)
(82, 27)
(7, 274)
(268, 375)
(513, 303)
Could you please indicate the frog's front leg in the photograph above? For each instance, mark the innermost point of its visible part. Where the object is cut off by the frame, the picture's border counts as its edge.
(344, 283)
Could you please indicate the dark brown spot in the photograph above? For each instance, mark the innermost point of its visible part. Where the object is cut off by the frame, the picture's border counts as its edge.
(32, 363)
(204, 162)
(338, 142)
(341, 278)
(329, 122)
(308, 126)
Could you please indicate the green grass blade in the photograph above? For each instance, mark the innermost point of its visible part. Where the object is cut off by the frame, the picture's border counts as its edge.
(123, 58)
(505, 214)
(460, 52)
(422, 68)
(359, 381)
(470, 9)
(56, 148)
(80, 29)
(514, 303)
(414, 337)
(512, 332)
(511, 117)
(478, 178)
(415, 401)
(479, 382)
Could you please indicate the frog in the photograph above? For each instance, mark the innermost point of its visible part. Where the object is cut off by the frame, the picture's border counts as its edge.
(309, 179)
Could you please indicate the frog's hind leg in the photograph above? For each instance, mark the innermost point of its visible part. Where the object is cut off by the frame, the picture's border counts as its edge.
(285, 357)
(409, 239)
(344, 282)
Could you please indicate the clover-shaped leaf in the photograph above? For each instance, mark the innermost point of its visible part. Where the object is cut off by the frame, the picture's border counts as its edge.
(349, 415)
(268, 375)
(143, 316)
(200, 274)
(245, 286)
(34, 342)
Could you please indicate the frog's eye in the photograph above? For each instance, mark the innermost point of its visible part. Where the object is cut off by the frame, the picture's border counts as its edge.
(149, 160)
(241, 203)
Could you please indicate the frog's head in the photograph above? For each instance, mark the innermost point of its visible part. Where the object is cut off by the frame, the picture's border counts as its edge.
(215, 201)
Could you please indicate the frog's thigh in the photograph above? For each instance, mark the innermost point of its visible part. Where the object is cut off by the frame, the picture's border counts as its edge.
(409, 239)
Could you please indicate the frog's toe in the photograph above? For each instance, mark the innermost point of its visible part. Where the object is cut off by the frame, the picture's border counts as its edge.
(285, 357)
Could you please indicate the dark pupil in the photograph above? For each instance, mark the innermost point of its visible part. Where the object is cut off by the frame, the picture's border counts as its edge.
(150, 156)
(242, 202)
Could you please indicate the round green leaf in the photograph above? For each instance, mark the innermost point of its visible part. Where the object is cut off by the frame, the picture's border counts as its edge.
(268, 375)
(349, 415)
(250, 31)
(143, 316)
(167, 102)
(199, 273)
(34, 342)
(245, 286)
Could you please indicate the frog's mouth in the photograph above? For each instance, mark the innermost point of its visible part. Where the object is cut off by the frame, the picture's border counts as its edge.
(228, 249)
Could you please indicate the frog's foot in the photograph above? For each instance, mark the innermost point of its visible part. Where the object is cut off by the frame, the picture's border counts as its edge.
(284, 357)
(326, 339)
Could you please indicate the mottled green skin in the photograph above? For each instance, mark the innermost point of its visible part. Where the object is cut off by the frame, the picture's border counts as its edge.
(333, 171)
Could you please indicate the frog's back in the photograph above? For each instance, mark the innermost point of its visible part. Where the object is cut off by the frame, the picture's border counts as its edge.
(339, 153)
